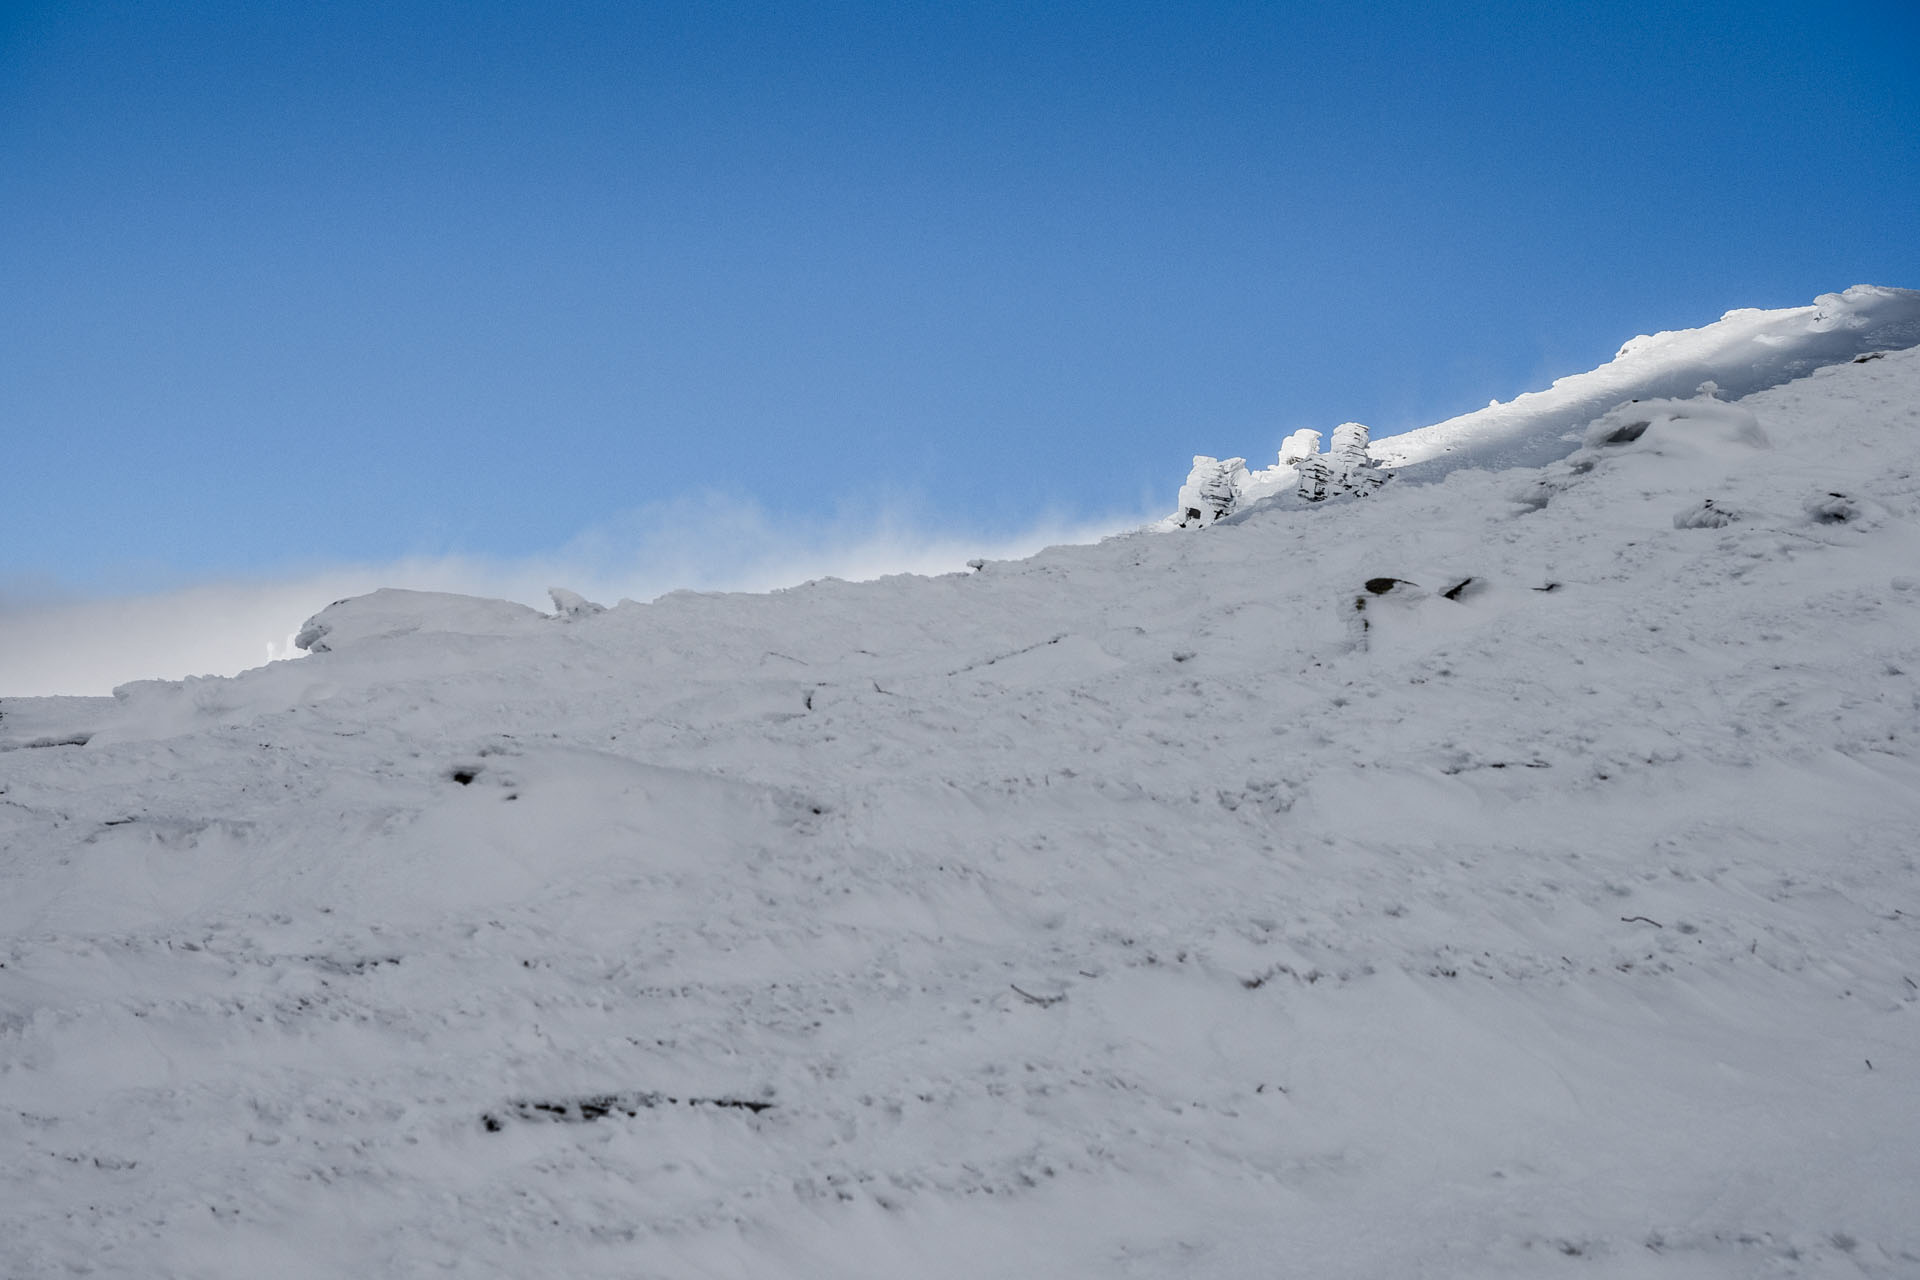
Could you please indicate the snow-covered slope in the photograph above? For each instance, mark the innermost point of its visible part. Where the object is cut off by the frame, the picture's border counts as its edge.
(1513, 875)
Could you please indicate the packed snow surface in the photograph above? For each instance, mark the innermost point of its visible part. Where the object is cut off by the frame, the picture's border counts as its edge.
(1513, 875)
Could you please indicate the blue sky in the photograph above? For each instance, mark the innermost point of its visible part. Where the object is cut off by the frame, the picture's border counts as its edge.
(284, 286)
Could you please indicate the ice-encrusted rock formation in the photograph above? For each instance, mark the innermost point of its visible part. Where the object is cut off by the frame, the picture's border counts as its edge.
(1303, 443)
(1216, 488)
(1349, 449)
(1212, 490)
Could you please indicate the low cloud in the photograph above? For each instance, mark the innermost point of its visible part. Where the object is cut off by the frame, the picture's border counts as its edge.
(54, 643)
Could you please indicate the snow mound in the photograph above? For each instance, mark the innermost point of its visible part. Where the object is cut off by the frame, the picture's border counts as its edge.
(1699, 423)
(571, 606)
(390, 613)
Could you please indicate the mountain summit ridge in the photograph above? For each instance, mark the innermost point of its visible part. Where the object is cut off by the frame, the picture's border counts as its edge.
(1745, 351)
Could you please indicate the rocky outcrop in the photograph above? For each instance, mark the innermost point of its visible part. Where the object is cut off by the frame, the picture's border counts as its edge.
(1216, 487)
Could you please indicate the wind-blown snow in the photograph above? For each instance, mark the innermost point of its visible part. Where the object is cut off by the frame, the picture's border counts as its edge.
(1513, 875)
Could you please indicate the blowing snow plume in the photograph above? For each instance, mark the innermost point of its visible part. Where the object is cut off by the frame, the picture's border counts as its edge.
(88, 646)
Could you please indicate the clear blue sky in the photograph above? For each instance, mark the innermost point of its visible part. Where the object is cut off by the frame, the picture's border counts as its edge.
(295, 284)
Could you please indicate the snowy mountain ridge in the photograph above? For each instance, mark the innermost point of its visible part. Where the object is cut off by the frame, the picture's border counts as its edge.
(1745, 351)
(1509, 875)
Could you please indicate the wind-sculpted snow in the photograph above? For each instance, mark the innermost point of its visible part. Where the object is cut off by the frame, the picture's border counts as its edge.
(1496, 877)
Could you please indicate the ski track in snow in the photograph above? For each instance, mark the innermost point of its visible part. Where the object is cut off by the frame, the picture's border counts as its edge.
(1172, 906)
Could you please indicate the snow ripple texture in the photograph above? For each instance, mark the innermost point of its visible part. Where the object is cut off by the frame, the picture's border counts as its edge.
(1513, 875)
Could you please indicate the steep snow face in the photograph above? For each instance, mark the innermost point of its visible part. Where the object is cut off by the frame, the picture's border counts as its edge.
(1499, 876)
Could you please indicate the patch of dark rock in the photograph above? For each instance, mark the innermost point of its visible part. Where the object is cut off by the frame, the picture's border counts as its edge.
(349, 965)
(102, 1162)
(1704, 516)
(1454, 770)
(1833, 508)
(464, 777)
(1380, 586)
(1865, 356)
(987, 662)
(1551, 586)
(1626, 433)
(1453, 592)
(34, 744)
(1258, 980)
(599, 1106)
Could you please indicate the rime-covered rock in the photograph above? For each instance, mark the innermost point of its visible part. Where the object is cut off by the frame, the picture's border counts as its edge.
(1349, 451)
(1355, 472)
(1316, 478)
(1217, 488)
(1211, 490)
(1301, 444)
